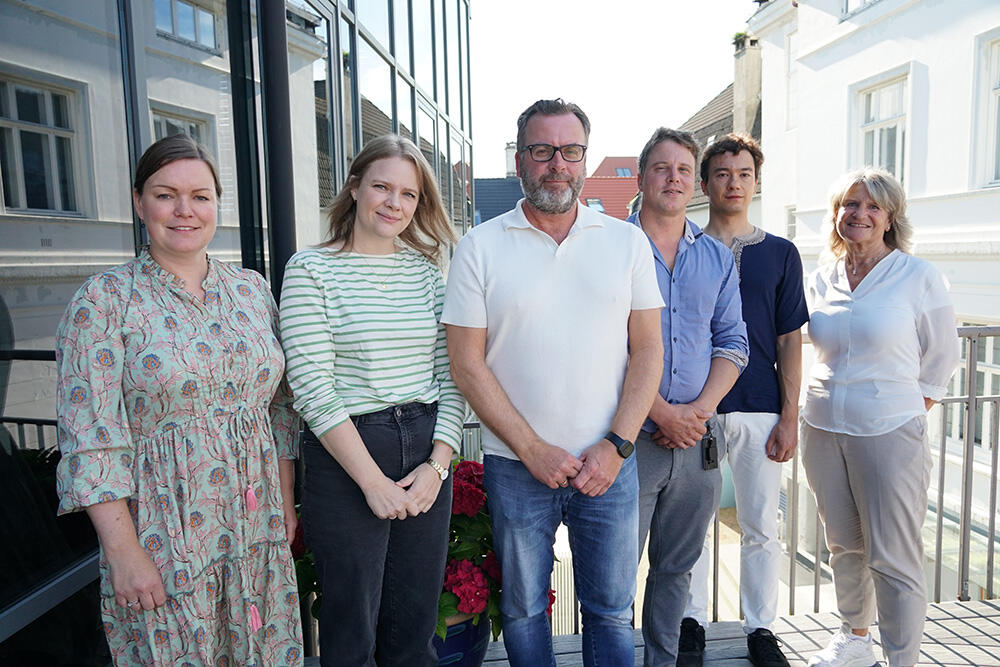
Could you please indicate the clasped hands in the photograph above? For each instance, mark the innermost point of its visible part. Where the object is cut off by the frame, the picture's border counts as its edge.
(592, 473)
(679, 425)
(410, 496)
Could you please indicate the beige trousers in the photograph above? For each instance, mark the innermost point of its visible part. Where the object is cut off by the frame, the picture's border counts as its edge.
(871, 492)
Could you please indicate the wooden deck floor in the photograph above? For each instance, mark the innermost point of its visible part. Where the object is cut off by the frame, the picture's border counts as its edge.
(956, 633)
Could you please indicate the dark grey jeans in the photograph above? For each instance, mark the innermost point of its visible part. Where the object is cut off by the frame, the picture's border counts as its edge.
(381, 578)
(677, 499)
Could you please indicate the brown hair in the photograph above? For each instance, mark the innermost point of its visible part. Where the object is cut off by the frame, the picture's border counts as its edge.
(662, 134)
(430, 229)
(556, 107)
(733, 143)
(887, 192)
(170, 149)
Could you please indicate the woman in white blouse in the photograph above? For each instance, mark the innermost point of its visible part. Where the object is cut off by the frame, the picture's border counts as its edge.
(883, 329)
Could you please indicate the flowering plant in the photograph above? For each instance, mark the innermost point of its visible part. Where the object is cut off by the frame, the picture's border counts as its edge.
(472, 575)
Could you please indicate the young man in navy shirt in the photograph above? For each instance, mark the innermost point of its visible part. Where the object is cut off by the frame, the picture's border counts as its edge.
(759, 416)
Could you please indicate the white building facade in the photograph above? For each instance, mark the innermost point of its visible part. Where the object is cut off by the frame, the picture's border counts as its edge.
(912, 86)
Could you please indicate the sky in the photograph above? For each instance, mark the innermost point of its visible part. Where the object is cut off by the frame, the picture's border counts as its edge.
(631, 65)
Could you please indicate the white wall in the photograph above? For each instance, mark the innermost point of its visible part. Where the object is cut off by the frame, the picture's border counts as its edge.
(957, 221)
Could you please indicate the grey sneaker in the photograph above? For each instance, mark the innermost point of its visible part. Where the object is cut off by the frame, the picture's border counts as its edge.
(764, 649)
(846, 650)
(691, 647)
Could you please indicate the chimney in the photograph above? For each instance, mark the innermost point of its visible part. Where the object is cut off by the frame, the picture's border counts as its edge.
(746, 84)
(511, 151)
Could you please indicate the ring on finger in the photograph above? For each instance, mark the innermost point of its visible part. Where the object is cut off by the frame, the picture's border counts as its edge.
(132, 604)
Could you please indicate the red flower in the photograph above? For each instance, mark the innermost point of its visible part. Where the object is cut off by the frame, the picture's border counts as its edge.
(470, 472)
(466, 498)
(491, 566)
(552, 599)
(469, 583)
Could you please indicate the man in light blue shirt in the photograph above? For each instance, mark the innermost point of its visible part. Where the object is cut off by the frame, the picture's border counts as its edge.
(705, 349)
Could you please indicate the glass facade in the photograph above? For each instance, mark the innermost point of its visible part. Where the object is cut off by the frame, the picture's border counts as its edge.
(84, 88)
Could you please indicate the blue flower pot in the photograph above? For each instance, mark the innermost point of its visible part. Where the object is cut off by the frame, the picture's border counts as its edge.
(465, 645)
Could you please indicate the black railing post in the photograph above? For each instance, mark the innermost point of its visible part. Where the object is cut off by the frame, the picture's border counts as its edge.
(245, 134)
(278, 175)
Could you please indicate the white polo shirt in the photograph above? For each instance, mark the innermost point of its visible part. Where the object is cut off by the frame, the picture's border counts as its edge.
(556, 317)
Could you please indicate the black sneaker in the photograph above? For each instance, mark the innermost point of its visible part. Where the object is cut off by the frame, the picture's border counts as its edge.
(691, 648)
(764, 651)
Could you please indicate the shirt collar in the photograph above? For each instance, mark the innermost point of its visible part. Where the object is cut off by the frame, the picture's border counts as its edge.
(585, 217)
(692, 232)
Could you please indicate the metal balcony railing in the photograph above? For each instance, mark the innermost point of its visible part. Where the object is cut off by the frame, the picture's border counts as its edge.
(961, 527)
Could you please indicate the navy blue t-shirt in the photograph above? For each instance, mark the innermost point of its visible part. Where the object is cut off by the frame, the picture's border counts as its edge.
(774, 304)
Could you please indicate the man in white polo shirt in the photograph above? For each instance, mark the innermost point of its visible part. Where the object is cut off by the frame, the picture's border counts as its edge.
(553, 331)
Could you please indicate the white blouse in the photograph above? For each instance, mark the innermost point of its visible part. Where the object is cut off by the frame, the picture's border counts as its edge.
(879, 349)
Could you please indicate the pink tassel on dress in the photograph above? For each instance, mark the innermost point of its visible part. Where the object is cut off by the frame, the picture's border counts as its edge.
(251, 498)
(255, 622)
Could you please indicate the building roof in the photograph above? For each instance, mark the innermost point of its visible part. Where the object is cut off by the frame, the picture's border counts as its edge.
(610, 165)
(495, 196)
(719, 108)
(614, 193)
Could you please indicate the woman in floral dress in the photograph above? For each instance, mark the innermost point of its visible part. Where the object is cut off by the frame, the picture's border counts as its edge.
(176, 433)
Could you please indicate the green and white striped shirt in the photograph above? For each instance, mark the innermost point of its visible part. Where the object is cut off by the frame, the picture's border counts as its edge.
(352, 347)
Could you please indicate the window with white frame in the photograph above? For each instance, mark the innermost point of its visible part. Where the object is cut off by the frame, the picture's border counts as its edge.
(36, 147)
(883, 126)
(166, 124)
(855, 5)
(993, 102)
(187, 21)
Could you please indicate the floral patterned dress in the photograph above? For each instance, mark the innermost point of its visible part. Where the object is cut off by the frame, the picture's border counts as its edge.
(178, 405)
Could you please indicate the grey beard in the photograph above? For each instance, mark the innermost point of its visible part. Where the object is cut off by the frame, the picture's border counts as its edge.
(551, 202)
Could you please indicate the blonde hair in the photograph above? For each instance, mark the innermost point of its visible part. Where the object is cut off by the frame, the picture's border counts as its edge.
(428, 233)
(885, 191)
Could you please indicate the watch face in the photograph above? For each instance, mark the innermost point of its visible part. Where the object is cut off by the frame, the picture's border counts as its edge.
(626, 449)
(444, 475)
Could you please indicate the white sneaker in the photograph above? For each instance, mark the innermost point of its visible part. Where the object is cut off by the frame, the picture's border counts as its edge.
(846, 650)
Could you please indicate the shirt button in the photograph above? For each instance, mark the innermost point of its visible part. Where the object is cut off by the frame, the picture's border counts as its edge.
(675, 371)
(673, 310)
(675, 339)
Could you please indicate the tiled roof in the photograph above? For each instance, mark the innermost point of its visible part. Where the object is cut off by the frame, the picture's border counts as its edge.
(719, 108)
(614, 192)
(495, 196)
(610, 165)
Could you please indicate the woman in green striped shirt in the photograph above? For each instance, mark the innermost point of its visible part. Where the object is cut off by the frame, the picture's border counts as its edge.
(368, 365)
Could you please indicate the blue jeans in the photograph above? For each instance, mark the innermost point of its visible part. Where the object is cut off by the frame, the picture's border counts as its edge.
(381, 578)
(603, 536)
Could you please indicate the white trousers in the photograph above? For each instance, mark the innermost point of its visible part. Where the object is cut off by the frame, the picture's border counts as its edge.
(757, 482)
(871, 493)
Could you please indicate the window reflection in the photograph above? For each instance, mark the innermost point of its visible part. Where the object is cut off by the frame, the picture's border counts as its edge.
(425, 128)
(423, 46)
(404, 107)
(312, 119)
(401, 33)
(439, 31)
(347, 91)
(374, 84)
(374, 17)
(66, 206)
(452, 33)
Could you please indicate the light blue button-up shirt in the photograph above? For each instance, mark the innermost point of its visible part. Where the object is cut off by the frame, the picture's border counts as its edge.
(703, 318)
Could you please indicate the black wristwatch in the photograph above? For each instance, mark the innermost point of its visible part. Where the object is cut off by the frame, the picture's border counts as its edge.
(624, 447)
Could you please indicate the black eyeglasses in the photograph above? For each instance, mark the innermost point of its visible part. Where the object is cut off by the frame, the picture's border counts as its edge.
(545, 152)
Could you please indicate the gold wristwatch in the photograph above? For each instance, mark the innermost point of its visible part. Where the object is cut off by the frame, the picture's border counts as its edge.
(438, 468)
